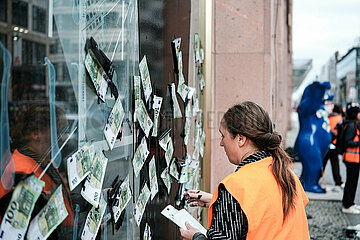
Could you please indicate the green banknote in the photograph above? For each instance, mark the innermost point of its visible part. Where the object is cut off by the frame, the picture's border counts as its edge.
(93, 183)
(49, 217)
(93, 220)
(17, 216)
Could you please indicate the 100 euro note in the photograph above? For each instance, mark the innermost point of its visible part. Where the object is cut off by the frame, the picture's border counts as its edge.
(153, 178)
(156, 107)
(140, 156)
(79, 165)
(17, 216)
(49, 217)
(122, 198)
(145, 78)
(93, 220)
(141, 204)
(143, 117)
(114, 122)
(97, 74)
(93, 183)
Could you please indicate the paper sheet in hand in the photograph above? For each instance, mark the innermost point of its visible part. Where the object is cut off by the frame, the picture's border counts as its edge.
(180, 217)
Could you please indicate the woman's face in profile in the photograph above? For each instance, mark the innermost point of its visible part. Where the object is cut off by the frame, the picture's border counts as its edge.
(230, 144)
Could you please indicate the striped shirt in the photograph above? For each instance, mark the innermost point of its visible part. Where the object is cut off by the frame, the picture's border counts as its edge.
(229, 220)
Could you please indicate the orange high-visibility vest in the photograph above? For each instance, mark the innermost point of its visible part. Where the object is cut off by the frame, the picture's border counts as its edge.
(26, 165)
(333, 120)
(352, 154)
(260, 197)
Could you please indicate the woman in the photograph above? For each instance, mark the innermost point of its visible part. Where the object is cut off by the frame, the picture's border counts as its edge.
(262, 199)
(351, 160)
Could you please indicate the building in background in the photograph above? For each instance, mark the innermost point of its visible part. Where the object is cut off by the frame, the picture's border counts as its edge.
(328, 73)
(301, 68)
(348, 77)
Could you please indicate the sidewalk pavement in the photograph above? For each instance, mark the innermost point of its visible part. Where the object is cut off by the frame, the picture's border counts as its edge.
(325, 218)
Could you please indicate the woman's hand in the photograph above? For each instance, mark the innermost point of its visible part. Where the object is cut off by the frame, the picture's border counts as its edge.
(197, 198)
(189, 233)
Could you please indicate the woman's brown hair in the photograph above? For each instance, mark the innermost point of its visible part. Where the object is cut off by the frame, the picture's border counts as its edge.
(252, 121)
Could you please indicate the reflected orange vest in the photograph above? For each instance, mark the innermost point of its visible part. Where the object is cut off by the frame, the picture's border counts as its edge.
(333, 120)
(26, 165)
(352, 154)
(259, 195)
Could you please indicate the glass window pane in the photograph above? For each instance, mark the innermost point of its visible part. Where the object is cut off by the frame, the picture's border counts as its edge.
(20, 13)
(3, 10)
(39, 19)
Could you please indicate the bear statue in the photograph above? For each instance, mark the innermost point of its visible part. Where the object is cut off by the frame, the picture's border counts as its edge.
(314, 136)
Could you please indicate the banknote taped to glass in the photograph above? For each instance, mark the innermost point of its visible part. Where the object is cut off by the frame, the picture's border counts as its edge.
(137, 93)
(93, 220)
(169, 152)
(141, 204)
(79, 165)
(114, 122)
(47, 220)
(202, 143)
(17, 215)
(153, 178)
(187, 130)
(173, 169)
(140, 156)
(202, 55)
(180, 217)
(97, 74)
(147, 232)
(165, 176)
(164, 140)
(143, 117)
(188, 109)
(177, 43)
(188, 172)
(195, 105)
(122, 198)
(93, 183)
(176, 108)
(137, 88)
(197, 47)
(156, 107)
(145, 78)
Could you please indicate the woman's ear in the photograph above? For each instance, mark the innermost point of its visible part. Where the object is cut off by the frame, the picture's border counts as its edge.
(241, 140)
